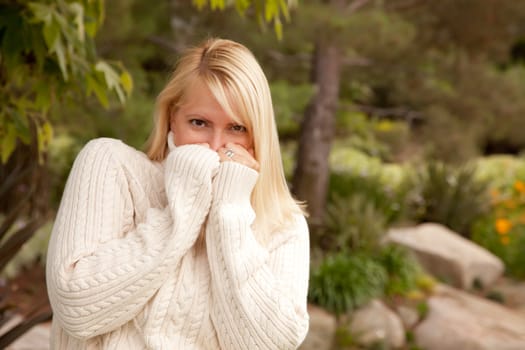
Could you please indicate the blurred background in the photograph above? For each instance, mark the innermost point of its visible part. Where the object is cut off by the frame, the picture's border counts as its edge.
(391, 113)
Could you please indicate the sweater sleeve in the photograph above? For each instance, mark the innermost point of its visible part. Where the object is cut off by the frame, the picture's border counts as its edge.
(259, 294)
(103, 266)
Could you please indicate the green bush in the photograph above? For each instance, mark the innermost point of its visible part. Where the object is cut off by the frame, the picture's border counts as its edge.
(402, 269)
(344, 282)
(450, 195)
(388, 196)
(352, 224)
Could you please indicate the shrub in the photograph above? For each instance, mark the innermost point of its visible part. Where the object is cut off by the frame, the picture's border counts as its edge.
(387, 196)
(344, 282)
(402, 269)
(452, 196)
(352, 224)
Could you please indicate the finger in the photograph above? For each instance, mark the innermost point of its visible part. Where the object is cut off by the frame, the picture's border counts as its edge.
(239, 154)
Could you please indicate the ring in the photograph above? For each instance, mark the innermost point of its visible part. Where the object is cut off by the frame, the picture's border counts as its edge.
(229, 153)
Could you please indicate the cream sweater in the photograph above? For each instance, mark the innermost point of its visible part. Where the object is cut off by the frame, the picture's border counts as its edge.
(123, 270)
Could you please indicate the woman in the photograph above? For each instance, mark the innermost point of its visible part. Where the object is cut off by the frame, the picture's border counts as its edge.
(199, 244)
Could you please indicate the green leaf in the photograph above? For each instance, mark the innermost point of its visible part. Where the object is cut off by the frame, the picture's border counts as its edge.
(44, 135)
(242, 6)
(93, 86)
(51, 33)
(21, 125)
(126, 81)
(41, 13)
(8, 142)
(217, 4)
(284, 9)
(78, 10)
(112, 79)
(271, 10)
(58, 48)
(278, 27)
(199, 4)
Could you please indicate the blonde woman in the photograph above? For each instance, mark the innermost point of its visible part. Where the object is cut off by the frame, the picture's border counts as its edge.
(196, 245)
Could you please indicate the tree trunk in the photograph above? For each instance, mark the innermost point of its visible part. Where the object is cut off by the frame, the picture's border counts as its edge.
(311, 175)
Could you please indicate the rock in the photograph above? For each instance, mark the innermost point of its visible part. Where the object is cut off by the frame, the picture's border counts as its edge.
(376, 323)
(512, 292)
(321, 333)
(409, 316)
(458, 320)
(449, 256)
(37, 338)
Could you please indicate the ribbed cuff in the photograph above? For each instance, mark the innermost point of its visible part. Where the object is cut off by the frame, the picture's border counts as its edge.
(234, 182)
(193, 160)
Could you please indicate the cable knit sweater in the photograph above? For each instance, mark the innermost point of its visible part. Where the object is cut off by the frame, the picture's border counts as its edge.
(124, 272)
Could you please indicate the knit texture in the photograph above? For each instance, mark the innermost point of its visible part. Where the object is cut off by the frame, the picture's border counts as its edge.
(124, 272)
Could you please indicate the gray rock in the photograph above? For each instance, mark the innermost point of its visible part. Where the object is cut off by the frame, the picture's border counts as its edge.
(376, 323)
(409, 316)
(458, 320)
(449, 256)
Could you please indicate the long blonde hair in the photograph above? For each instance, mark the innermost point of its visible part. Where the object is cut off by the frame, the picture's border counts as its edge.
(236, 80)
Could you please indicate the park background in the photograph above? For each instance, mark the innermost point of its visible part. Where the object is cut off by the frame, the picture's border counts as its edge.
(391, 113)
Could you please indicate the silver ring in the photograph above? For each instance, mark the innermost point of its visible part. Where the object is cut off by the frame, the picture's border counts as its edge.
(229, 153)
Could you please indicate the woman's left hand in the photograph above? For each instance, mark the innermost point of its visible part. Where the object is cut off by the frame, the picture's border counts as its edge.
(233, 152)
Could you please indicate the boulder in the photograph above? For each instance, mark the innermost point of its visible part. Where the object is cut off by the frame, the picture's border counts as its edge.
(376, 323)
(321, 334)
(458, 320)
(448, 256)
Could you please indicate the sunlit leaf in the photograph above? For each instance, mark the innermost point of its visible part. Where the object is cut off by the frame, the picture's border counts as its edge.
(271, 10)
(78, 10)
(112, 78)
(58, 48)
(126, 81)
(44, 136)
(278, 27)
(41, 12)
(199, 4)
(217, 4)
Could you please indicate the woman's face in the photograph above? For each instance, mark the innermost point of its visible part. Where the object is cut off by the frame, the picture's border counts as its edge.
(201, 119)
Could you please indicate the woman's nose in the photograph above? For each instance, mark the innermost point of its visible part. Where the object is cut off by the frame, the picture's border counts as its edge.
(216, 140)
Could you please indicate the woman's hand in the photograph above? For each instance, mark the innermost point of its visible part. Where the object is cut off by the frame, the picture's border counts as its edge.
(236, 153)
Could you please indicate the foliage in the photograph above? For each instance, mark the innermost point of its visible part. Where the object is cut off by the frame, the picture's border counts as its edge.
(385, 193)
(502, 231)
(289, 102)
(501, 171)
(265, 10)
(449, 195)
(344, 282)
(47, 51)
(352, 224)
(403, 270)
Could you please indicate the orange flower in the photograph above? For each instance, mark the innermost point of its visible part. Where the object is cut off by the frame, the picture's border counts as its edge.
(505, 240)
(519, 186)
(503, 226)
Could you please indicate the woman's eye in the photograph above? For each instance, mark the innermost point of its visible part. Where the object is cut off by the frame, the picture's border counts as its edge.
(239, 128)
(198, 122)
